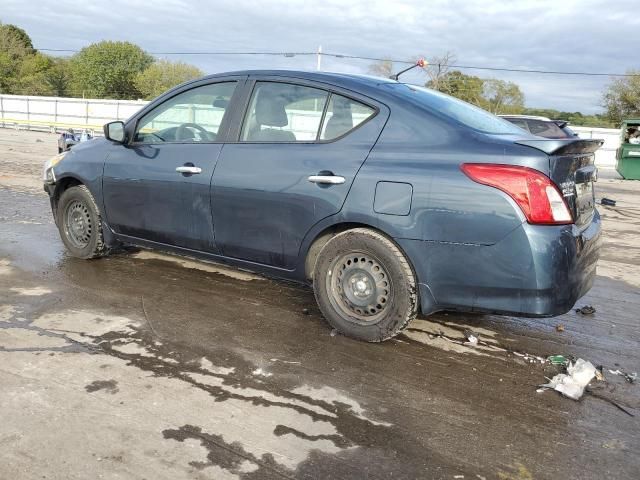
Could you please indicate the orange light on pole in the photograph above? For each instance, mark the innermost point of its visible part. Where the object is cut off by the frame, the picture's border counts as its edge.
(420, 63)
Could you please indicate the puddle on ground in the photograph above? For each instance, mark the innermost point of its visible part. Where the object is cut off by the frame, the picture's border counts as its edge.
(197, 265)
(286, 424)
(450, 337)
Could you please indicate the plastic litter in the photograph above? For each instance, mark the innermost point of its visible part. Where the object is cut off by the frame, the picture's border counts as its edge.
(572, 383)
(558, 360)
(333, 333)
(586, 310)
(559, 328)
(472, 337)
(528, 357)
(607, 202)
(629, 377)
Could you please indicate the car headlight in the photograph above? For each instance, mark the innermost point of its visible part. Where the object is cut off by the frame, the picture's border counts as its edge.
(47, 172)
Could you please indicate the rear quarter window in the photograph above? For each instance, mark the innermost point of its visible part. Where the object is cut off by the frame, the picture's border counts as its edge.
(343, 115)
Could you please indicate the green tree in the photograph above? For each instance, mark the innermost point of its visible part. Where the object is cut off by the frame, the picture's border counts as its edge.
(30, 76)
(58, 77)
(108, 70)
(574, 118)
(15, 45)
(162, 75)
(465, 87)
(502, 97)
(621, 98)
(18, 37)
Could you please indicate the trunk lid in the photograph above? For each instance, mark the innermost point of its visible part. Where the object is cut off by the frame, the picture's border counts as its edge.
(572, 169)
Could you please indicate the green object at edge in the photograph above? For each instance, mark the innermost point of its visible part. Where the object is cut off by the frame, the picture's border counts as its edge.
(628, 154)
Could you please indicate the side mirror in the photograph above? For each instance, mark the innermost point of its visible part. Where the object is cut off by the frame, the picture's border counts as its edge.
(114, 131)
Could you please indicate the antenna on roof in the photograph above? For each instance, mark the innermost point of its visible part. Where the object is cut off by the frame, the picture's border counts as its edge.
(420, 63)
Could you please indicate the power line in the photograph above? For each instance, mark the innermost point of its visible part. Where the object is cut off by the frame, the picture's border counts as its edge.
(377, 59)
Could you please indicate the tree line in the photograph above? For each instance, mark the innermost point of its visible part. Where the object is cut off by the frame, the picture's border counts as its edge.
(620, 100)
(117, 70)
(123, 70)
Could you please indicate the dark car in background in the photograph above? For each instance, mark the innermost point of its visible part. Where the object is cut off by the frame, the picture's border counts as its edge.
(388, 198)
(542, 126)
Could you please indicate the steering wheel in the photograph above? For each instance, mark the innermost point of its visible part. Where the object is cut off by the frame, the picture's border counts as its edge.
(181, 131)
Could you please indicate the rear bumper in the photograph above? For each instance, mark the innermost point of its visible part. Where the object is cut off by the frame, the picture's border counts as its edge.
(536, 271)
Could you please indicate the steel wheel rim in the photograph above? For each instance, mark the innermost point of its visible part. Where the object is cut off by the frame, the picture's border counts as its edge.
(78, 226)
(360, 287)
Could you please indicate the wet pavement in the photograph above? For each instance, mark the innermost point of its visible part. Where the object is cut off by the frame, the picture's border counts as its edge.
(143, 365)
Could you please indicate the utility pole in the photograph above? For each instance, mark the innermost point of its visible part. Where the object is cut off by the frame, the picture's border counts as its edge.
(319, 64)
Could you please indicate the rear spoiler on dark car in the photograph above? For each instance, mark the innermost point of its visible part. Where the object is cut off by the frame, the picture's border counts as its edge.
(564, 146)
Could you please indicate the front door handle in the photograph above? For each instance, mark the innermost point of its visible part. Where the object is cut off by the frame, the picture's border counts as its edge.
(190, 169)
(327, 179)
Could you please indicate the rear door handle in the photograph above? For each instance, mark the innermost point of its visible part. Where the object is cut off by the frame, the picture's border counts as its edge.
(327, 179)
(189, 169)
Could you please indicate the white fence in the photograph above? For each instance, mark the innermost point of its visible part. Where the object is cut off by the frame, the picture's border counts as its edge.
(58, 113)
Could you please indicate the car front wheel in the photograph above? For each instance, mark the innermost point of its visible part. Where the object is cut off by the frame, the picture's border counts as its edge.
(80, 224)
(364, 285)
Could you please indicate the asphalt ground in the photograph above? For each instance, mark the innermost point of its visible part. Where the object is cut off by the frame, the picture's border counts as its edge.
(145, 365)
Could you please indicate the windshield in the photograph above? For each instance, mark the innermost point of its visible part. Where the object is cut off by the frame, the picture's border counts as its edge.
(462, 112)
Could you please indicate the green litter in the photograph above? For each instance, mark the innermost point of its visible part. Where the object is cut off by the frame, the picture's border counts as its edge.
(558, 360)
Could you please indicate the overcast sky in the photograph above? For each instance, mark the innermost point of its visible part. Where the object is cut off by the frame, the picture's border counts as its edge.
(585, 35)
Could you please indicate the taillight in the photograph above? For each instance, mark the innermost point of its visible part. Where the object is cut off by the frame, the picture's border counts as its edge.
(533, 191)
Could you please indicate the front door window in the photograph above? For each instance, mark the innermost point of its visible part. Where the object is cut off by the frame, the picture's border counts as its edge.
(192, 116)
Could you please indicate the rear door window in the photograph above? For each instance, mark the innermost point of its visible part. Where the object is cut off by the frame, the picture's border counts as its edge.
(284, 112)
(343, 115)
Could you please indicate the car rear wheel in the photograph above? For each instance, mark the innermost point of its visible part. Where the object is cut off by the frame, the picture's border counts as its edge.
(80, 224)
(365, 286)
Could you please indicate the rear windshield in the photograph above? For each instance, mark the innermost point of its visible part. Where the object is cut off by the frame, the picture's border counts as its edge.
(546, 129)
(462, 112)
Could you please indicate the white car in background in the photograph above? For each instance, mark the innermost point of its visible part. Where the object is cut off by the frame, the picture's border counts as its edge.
(542, 126)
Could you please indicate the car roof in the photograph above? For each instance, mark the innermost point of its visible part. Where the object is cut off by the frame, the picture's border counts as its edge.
(338, 79)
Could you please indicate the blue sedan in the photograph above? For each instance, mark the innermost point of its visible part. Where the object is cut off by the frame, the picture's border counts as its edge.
(388, 198)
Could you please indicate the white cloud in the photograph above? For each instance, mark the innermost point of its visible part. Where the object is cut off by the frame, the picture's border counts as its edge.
(585, 35)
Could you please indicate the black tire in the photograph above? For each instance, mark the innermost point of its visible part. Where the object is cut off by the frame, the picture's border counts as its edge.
(80, 223)
(59, 150)
(364, 285)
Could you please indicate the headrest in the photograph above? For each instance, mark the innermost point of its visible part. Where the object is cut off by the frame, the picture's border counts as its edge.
(270, 110)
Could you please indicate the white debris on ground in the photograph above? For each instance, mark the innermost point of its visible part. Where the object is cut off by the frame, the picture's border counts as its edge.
(573, 383)
(31, 292)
